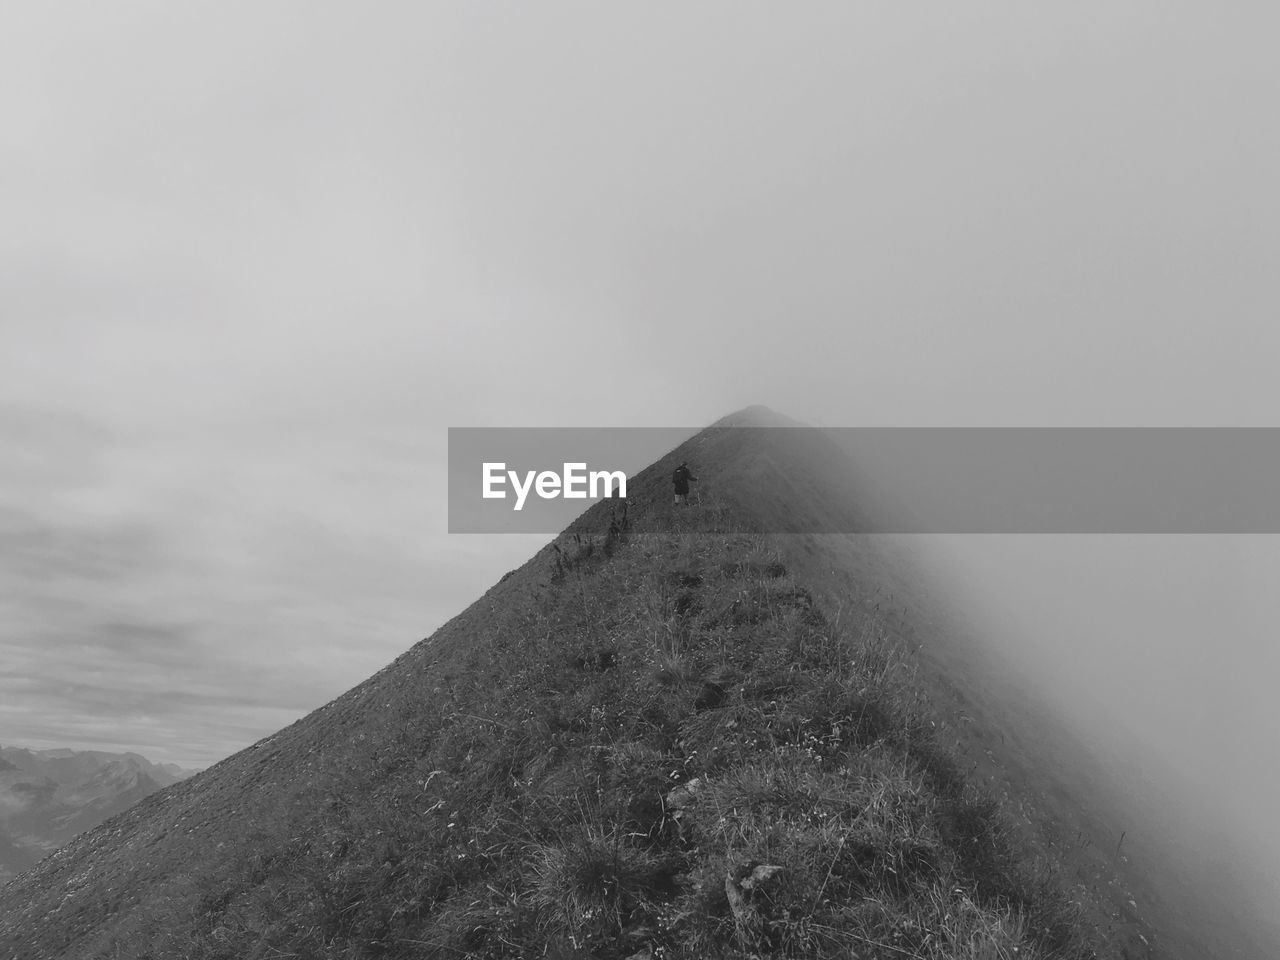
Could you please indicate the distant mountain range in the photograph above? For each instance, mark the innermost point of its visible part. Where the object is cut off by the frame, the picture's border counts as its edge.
(49, 796)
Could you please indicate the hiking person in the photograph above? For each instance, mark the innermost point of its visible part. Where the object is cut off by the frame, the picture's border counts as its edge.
(681, 479)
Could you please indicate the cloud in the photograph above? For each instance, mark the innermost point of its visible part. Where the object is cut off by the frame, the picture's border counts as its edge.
(183, 599)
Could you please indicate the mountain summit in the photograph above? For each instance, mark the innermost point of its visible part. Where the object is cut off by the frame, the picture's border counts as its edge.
(666, 735)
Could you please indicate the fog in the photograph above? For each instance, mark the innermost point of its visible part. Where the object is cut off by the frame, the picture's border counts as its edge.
(1159, 652)
(255, 259)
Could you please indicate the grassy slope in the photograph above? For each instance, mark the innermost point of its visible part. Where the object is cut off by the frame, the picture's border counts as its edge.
(609, 752)
(1050, 787)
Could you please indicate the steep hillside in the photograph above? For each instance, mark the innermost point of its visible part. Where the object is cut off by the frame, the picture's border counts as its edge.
(669, 734)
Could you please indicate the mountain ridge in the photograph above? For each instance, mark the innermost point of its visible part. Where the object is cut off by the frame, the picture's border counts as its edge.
(608, 753)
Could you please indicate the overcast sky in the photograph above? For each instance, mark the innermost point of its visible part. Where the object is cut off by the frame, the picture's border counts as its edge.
(255, 258)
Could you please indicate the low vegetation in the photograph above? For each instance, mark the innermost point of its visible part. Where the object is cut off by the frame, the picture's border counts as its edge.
(677, 754)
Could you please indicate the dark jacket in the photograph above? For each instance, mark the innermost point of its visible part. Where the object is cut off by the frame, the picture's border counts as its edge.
(681, 479)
